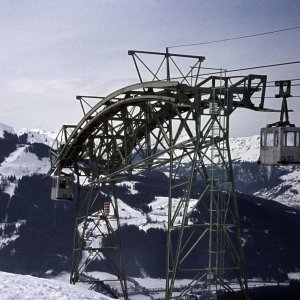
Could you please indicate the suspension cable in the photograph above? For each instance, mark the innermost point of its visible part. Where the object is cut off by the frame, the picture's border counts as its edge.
(236, 38)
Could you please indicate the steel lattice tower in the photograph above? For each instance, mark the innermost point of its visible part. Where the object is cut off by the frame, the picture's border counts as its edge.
(178, 122)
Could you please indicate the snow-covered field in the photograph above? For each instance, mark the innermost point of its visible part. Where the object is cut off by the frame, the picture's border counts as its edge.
(245, 149)
(17, 287)
(22, 162)
(156, 218)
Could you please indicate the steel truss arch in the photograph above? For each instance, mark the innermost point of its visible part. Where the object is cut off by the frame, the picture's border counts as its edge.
(69, 147)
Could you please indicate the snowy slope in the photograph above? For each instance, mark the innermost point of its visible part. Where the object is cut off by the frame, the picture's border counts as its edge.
(6, 128)
(287, 192)
(284, 187)
(156, 218)
(245, 148)
(15, 234)
(15, 286)
(22, 162)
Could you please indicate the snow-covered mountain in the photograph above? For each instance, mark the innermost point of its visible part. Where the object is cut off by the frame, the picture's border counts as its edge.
(33, 135)
(278, 183)
(38, 135)
(281, 184)
(22, 153)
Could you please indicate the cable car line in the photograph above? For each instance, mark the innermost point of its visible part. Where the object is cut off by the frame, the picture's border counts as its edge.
(288, 79)
(265, 66)
(273, 86)
(235, 38)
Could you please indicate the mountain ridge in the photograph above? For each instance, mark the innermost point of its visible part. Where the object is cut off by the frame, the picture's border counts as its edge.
(280, 183)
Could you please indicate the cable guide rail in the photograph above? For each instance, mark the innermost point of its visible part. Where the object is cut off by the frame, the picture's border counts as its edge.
(69, 146)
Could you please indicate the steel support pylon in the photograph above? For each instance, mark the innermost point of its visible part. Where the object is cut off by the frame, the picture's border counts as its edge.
(181, 126)
(208, 220)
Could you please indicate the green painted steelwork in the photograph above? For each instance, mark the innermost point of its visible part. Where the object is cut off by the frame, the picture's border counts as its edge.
(167, 124)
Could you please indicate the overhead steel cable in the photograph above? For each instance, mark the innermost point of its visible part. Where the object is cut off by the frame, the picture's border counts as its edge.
(235, 38)
(274, 86)
(256, 67)
(272, 97)
(266, 66)
(272, 81)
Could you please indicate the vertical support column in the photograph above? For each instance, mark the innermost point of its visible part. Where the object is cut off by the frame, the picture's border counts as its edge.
(169, 256)
(214, 211)
(168, 64)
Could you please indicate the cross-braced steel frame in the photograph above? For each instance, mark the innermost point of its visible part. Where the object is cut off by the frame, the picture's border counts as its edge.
(180, 124)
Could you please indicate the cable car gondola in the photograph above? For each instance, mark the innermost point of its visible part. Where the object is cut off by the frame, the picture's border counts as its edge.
(61, 188)
(280, 141)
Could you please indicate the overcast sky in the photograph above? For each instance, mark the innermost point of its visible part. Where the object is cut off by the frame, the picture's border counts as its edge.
(52, 51)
